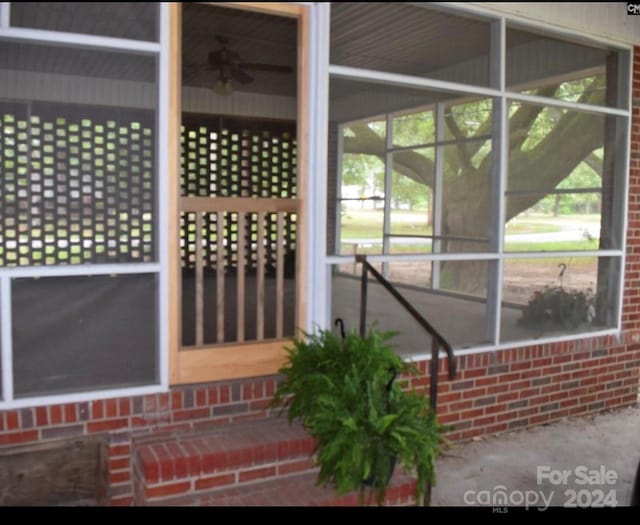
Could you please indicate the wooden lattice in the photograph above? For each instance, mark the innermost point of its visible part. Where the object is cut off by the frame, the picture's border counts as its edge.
(224, 157)
(76, 185)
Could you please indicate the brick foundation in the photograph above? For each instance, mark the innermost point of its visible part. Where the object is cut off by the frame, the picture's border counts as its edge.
(494, 392)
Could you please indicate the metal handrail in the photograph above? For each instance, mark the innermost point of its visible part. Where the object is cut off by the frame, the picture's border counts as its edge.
(437, 340)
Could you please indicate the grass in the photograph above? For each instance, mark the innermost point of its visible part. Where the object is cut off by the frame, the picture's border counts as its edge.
(367, 224)
(555, 246)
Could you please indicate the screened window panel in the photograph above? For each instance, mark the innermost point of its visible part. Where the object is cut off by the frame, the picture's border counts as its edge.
(558, 296)
(450, 295)
(73, 334)
(563, 194)
(539, 64)
(78, 162)
(134, 20)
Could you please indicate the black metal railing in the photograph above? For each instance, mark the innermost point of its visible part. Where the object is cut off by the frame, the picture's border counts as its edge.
(437, 340)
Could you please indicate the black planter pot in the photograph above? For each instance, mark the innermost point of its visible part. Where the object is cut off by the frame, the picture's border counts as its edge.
(371, 481)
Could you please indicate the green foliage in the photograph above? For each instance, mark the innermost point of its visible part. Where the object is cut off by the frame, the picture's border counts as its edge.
(557, 307)
(342, 391)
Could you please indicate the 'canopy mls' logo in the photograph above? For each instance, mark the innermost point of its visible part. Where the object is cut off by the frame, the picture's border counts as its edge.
(633, 8)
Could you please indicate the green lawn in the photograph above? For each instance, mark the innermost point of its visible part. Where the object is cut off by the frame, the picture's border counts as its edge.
(367, 224)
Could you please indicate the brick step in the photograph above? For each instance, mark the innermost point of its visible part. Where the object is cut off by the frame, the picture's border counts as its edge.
(231, 455)
(296, 490)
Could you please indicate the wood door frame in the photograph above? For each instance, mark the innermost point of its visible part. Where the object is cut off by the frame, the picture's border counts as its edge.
(235, 360)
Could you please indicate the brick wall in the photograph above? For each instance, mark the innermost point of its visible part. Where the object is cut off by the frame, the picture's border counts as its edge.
(494, 391)
(121, 421)
(512, 389)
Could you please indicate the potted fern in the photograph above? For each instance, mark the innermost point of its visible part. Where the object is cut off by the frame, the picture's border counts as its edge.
(343, 392)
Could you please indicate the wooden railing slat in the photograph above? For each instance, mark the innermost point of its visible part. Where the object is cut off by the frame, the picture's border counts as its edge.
(240, 280)
(220, 275)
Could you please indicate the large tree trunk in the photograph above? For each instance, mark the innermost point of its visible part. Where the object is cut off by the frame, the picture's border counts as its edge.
(466, 212)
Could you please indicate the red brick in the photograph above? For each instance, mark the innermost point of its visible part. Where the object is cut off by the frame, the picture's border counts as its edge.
(493, 409)
(119, 450)
(296, 466)
(11, 438)
(215, 481)
(262, 404)
(70, 415)
(13, 421)
(476, 392)
(528, 392)
(119, 477)
(536, 420)
(486, 381)
(470, 414)
(449, 418)
(42, 418)
(126, 501)
(176, 400)
(111, 408)
(196, 413)
(55, 414)
(447, 398)
(497, 389)
(478, 372)
(520, 366)
(170, 489)
(201, 397)
(97, 409)
(511, 396)
(119, 464)
(483, 421)
(509, 377)
(105, 426)
(124, 407)
(534, 372)
(224, 394)
(494, 429)
(461, 405)
(250, 475)
(568, 402)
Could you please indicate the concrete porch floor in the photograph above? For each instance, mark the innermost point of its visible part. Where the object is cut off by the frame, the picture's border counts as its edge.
(474, 473)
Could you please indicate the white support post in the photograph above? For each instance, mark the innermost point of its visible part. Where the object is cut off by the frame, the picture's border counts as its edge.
(318, 280)
(338, 203)
(5, 16)
(6, 341)
(163, 182)
(388, 172)
(500, 152)
(438, 186)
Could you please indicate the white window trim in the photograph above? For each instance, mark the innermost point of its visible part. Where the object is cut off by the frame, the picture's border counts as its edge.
(504, 96)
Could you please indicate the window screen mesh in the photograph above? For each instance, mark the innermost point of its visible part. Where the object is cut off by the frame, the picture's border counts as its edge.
(83, 333)
(77, 185)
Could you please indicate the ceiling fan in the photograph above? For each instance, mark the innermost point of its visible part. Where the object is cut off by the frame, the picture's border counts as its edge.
(230, 68)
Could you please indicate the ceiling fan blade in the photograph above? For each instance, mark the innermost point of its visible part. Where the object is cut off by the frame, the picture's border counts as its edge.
(241, 76)
(272, 68)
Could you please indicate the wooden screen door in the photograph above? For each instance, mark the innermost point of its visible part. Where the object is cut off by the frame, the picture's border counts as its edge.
(238, 272)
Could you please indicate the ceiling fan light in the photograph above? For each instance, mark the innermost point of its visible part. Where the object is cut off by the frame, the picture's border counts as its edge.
(223, 87)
